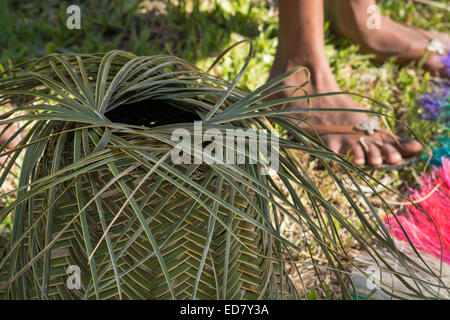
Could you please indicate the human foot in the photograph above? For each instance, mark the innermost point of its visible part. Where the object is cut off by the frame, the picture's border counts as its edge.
(301, 43)
(389, 39)
(374, 150)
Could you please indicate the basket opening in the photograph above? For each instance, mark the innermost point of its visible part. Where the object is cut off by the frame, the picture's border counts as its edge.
(153, 113)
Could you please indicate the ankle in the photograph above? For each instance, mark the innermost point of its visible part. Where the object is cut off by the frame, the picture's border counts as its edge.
(319, 75)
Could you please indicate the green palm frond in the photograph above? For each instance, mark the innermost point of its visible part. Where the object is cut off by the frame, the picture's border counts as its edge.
(97, 188)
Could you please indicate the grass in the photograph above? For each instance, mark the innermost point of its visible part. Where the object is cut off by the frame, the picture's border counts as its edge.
(199, 33)
(200, 30)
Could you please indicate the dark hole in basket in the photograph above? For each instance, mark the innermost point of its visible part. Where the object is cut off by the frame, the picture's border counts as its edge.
(152, 113)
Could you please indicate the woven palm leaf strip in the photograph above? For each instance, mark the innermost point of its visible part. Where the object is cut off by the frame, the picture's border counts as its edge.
(59, 226)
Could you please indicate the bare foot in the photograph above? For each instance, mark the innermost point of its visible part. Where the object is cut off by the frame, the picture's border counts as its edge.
(373, 150)
(391, 39)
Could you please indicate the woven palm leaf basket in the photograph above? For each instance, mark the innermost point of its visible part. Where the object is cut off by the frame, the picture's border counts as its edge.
(102, 211)
(98, 192)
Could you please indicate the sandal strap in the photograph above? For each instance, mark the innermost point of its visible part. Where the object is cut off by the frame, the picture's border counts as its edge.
(369, 127)
(321, 130)
(434, 45)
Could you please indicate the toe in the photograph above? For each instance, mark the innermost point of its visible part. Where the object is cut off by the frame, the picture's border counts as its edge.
(390, 154)
(374, 156)
(357, 151)
(333, 142)
(409, 148)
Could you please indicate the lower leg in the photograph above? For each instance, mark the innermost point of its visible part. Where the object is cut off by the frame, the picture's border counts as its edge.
(301, 42)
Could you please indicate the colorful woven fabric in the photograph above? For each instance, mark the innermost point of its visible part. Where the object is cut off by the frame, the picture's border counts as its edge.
(441, 151)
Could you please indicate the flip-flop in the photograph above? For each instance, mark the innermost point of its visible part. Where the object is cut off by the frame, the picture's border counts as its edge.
(406, 162)
(370, 128)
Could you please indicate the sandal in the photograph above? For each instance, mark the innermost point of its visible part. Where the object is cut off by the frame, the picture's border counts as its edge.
(370, 127)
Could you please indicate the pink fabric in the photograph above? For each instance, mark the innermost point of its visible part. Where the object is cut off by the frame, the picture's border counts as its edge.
(418, 225)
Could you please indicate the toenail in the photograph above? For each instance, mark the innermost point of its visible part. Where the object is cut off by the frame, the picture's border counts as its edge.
(377, 160)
